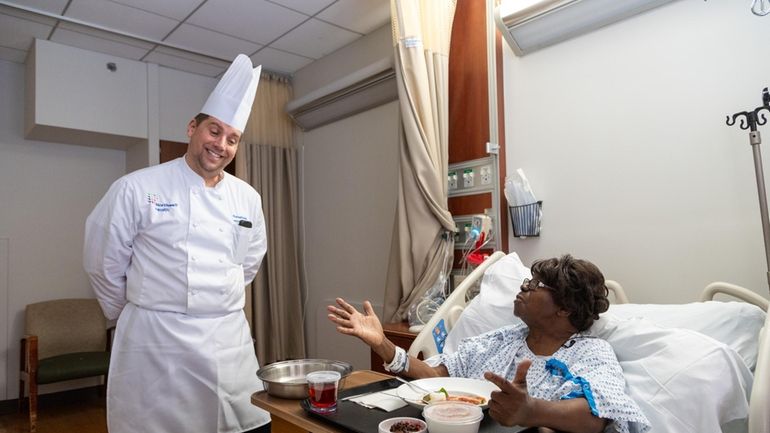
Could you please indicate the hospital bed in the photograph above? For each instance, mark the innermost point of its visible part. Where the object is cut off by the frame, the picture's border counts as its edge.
(702, 367)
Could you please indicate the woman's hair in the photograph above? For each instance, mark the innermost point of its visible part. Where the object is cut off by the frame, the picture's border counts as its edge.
(577, 286)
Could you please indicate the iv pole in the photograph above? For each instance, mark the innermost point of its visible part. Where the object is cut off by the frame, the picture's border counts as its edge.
(750, 120)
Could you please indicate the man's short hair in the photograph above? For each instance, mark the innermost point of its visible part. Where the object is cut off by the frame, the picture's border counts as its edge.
(200, 118)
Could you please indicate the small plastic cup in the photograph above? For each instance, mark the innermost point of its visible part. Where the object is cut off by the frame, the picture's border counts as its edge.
(322, 390)
(403, 424)
(452, 417)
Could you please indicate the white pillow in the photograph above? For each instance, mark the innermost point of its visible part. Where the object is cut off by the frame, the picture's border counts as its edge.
(736, 324)
(492, 308)
(684, 381)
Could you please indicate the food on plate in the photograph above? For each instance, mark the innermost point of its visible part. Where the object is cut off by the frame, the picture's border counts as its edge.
(442, 394)
(405, 427)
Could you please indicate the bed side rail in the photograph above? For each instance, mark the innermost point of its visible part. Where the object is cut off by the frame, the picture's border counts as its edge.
(450, 310)
(616, 290)
(739, 292)
(759, 416)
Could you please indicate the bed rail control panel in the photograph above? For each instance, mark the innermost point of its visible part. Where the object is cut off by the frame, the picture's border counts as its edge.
(439, 335)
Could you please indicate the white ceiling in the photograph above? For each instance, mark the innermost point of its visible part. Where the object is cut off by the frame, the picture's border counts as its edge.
(281, 35)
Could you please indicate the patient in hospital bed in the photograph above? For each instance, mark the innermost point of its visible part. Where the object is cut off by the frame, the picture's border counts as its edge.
(550, 372)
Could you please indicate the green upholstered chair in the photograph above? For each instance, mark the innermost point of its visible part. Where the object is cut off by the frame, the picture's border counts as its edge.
(64, 339)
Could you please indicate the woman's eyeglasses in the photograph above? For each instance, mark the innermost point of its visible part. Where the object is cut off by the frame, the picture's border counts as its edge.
(532, 284)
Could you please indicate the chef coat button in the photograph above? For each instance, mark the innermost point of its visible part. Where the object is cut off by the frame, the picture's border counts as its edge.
(194, 258)
(195, 191)
(221, 229)
(221, 261)
(195, 225)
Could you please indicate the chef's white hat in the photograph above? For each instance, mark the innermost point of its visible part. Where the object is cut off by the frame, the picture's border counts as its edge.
(231, 100)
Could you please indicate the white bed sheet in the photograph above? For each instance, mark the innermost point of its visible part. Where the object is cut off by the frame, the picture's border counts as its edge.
(683, 381)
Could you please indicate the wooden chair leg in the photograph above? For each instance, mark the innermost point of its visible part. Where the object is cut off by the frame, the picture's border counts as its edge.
(32, 406)
(22, 370)
(103, 387)
(21, 394)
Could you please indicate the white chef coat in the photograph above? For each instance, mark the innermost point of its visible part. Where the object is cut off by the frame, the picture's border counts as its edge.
(171, 257)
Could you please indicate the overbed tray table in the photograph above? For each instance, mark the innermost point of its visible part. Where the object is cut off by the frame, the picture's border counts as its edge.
(289, 416)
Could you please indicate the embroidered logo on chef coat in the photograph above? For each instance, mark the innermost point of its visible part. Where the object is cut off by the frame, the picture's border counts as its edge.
(154, 199)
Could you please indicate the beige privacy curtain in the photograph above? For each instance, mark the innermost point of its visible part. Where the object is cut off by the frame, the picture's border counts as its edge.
(268, 161)
(423, 240)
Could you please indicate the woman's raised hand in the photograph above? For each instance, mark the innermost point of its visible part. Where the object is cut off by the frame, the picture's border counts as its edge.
(350, 321)
(512, 405)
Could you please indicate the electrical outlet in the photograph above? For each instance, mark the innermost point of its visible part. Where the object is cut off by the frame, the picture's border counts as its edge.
(452, 180)
(486, 174)
(468, 178)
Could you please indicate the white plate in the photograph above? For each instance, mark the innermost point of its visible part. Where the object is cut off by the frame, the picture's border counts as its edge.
(479, 387)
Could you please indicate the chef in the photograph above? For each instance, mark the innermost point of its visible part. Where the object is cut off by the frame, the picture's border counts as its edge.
(169, 250)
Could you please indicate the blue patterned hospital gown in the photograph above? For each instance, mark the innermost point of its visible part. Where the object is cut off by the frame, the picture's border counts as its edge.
(584, 367)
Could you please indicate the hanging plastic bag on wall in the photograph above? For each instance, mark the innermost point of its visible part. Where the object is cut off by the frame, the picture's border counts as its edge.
(517, 189)
(525, 209)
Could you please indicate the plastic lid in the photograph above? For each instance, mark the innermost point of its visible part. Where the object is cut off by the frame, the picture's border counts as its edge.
(453, 412)
(323, 376)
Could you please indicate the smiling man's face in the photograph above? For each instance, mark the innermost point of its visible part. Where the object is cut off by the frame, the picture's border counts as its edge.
(212, 146)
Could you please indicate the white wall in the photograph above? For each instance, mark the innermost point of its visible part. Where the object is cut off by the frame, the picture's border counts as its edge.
(46, 191)
(349, 172)
(622, 134)
(181, 97)
(349, 176)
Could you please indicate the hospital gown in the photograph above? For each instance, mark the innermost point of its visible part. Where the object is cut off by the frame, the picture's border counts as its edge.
(584, 367)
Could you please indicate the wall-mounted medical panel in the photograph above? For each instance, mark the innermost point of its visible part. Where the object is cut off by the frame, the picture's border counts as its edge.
(82, 97)
(472, 177)
(464, 224)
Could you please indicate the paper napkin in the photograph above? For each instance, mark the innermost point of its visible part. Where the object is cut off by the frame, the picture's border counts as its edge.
(385, 400)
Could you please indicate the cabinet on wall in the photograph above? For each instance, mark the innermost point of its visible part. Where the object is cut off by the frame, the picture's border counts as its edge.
(81, 97)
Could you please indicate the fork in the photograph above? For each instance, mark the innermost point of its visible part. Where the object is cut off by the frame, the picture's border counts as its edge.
(414, 387)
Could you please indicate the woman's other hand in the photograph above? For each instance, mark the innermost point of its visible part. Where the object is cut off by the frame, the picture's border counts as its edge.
(350, 321)
(512, 404)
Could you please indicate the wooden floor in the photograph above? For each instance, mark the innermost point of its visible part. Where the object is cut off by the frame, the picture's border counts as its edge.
(82, 412)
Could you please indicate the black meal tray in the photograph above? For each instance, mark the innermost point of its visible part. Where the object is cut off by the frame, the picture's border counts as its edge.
(351, 417)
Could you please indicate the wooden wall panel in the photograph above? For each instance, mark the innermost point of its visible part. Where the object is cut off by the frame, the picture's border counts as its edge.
(468, 91)
(470, 204)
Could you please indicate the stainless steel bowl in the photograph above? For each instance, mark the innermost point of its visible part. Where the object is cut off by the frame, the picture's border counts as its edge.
(286, 379)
